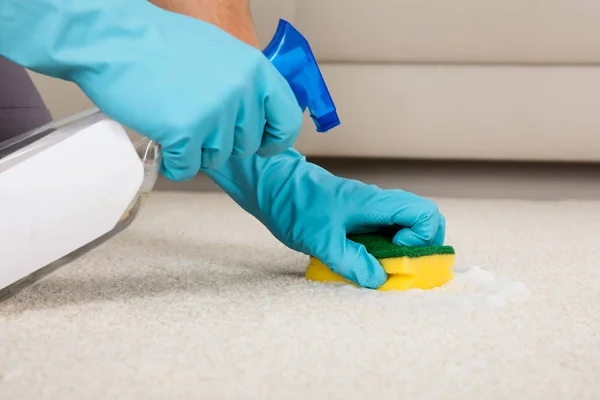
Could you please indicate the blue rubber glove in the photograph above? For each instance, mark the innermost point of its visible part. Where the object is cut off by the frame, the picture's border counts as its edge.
(312, 211)
(201, 93)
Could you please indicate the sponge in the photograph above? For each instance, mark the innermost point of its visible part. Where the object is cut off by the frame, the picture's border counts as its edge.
(421, 267)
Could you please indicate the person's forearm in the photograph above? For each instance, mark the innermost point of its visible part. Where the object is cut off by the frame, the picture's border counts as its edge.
(233, 16)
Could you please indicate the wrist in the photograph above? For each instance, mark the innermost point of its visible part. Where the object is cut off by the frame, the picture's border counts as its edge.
(232, 16)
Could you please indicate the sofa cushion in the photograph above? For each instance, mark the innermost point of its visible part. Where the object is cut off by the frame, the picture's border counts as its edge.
(461, 112)
(475, 31)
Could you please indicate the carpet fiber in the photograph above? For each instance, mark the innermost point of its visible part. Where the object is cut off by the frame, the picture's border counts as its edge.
(197, 300)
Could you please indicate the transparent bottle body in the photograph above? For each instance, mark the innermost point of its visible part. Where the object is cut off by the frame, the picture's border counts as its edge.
(36, 140)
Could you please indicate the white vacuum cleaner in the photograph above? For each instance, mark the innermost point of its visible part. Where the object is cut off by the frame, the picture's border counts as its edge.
(66, 188)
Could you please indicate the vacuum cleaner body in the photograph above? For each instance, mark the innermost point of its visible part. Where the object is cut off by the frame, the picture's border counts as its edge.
(65, 186)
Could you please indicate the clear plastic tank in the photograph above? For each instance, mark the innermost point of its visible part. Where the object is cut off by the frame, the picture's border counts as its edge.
(24, 148)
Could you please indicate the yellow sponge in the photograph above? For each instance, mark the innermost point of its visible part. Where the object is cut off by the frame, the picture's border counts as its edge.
(425, 267)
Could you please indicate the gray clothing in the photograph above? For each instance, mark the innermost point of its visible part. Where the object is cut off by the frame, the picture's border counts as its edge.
(21, 106)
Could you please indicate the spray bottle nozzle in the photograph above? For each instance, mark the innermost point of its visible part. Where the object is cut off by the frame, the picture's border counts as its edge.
(290, 53)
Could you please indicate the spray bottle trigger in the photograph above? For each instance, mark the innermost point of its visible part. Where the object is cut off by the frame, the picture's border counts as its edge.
(292, 56)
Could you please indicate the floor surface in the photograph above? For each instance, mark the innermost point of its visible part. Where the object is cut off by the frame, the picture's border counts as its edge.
(198, 301)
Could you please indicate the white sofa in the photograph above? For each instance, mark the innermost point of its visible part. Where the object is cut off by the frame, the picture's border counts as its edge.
(467, 79)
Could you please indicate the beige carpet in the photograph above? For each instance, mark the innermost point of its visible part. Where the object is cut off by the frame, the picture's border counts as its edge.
(198, 301)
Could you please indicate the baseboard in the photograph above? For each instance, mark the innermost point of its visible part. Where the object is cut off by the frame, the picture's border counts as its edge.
(472, 179)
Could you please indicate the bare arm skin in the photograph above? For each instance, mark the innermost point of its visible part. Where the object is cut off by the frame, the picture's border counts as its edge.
(233, 16)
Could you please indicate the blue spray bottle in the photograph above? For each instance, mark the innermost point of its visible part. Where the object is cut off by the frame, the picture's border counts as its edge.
(291, 54)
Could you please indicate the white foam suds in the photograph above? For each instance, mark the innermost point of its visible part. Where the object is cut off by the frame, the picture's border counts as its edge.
(471, 288)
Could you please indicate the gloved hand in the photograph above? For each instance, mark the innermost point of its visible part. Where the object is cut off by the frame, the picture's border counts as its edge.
(198, 91)
(310, 210)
